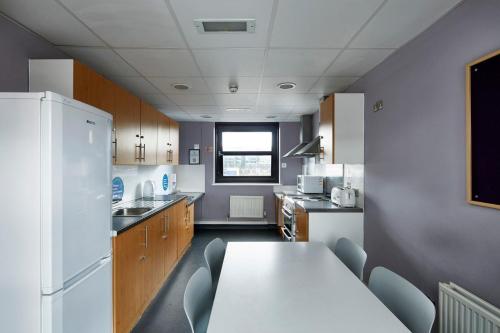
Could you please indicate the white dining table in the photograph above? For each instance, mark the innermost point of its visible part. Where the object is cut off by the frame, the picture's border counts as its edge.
(293, 287)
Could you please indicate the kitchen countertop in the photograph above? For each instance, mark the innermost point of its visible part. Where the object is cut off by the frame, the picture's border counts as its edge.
(317, 206)
(325, 206)
(161, 202)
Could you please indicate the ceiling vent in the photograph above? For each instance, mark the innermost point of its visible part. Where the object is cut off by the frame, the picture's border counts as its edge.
(180, 86)
(224, 25)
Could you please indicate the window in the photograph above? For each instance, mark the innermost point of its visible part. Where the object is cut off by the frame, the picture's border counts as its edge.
(246, 153)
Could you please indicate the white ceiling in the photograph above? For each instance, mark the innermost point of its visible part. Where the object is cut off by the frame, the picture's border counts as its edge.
(323, 46)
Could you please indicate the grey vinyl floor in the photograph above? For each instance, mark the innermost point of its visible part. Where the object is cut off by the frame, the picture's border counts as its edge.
(165, 313)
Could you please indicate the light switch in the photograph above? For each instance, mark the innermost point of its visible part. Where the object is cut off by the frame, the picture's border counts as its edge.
(283, 165)
(196, 146)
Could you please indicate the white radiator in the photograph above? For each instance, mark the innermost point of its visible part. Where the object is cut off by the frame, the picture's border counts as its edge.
(241, 206)
(462, 312)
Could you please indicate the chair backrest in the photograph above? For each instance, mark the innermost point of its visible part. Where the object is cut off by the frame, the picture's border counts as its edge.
(198, 300)
(214, 256)
(408, 303)
(352, 255)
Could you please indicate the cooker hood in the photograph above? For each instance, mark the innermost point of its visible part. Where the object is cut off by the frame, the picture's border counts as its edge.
(308, 146)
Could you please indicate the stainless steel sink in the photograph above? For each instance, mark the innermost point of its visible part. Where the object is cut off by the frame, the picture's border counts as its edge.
(131, 211)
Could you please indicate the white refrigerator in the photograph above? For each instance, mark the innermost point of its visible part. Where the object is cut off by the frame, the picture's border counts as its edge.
(55, 211)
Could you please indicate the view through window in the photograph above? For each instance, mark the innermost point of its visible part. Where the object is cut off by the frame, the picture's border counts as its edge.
(246, 152)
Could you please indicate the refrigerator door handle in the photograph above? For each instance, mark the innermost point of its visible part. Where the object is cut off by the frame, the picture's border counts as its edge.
(81, 277)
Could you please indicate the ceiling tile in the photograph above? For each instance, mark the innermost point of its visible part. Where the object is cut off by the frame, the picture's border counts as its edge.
(50, 20)
(246, 84)
(311, 100)
(230, 62)
(129, 23)
(196, 110)
(276, 109)
(299, 62)
(178, 115)
(103, 60)
(303, 84)
(329, 84)
(161, 62)
(166, 84)
(159, 100)
(357, 62)
(304, 109)
(192, 99)
(135, 84)
(188, 10)
(236, 100)
(320, 23)
(401, 20)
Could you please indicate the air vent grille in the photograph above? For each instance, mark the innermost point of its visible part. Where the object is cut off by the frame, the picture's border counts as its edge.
(225, 25)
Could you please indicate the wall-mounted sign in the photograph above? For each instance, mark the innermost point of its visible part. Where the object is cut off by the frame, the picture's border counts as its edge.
(165, 182)
(194, 156)
(118, 188)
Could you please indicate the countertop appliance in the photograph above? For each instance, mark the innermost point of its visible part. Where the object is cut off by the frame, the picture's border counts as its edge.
(56, 218)
(148, 190)
(309, 184)
(343, 196)
(288, 211)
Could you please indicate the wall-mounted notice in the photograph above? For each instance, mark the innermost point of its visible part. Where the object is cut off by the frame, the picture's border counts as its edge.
(483, 131)
(118, 188)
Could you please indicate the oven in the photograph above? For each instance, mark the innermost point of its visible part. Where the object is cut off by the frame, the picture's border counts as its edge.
(288, 228)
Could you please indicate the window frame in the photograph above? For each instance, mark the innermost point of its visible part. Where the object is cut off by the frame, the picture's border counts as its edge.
(221, 127)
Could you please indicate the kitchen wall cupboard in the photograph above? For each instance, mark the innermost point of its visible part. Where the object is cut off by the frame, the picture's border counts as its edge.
(341, 126)
(168, 141)
(137, 135)
(143, 258)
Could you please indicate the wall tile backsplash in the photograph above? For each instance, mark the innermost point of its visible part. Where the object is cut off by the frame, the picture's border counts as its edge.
(134, 176)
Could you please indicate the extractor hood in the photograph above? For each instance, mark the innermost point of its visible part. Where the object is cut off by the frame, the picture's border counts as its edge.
(308, 146)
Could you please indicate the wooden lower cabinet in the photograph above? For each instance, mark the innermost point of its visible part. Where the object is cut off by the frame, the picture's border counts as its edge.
(185, 228)
(143, 258)
(301, 225)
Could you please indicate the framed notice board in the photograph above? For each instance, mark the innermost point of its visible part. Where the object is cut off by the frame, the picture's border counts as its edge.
(483, 130)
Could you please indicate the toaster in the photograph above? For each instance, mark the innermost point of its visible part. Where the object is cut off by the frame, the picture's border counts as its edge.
(343, 196)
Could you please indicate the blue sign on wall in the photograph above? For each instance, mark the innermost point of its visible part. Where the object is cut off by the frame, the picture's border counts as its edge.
(118, 188)
(165, 182)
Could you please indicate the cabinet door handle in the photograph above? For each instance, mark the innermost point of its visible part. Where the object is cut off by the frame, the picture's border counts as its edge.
(138, 146)
(146, 237)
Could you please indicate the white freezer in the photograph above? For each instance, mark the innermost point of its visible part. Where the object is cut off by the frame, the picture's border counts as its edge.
(83, 306)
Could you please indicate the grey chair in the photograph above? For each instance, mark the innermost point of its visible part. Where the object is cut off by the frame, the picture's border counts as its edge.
(352, 255)
(407, 303)
(214, 256)
(198, 300)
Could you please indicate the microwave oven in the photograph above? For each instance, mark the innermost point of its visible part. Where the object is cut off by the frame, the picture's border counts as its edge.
(309, 184)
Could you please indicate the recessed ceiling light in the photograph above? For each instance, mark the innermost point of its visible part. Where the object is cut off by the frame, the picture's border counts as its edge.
(180, 86)
(286, 85)
(237, 109)
(270, 117)
(206, 116)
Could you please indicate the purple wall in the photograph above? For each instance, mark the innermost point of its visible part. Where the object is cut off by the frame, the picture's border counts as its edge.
(17, 46)
(215, 204)
(417, 221)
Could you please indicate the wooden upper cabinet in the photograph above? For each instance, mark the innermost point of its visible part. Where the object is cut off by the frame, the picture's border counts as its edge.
(92, 88)
(341, 127)
(127, 121)
(174, 141)
(163, 149)
(326, 116)
(149, 133)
